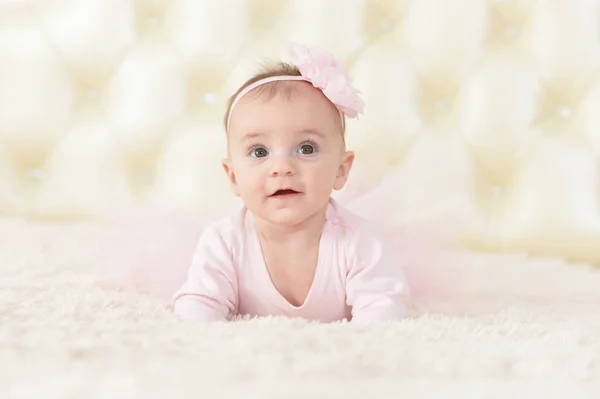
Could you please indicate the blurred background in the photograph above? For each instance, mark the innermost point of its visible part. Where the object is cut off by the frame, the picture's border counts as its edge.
(488, 109)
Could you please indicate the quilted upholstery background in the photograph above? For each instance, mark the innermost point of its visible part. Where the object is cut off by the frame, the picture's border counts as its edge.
(490, 107)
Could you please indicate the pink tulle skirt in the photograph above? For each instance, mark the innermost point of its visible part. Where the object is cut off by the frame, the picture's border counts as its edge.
(149, 251)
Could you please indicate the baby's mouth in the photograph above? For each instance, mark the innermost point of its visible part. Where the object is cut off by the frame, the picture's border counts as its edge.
(284, 193)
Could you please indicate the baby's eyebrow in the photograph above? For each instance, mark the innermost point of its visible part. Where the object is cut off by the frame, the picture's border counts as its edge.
(251, 136)
(312, 131)
(254, 135)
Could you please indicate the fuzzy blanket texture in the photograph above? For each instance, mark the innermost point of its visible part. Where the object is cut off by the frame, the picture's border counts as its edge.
(520, 327)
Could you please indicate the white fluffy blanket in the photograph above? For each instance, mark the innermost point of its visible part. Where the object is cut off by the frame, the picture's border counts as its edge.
(522, 327)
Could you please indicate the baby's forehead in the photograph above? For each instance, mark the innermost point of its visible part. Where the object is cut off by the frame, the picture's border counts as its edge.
(293, 107)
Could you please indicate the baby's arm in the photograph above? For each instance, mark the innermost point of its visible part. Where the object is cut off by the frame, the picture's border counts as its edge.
(376, 287)
(210, 291)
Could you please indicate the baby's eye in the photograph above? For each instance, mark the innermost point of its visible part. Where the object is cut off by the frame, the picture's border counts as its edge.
(307, 149)
(259, 152)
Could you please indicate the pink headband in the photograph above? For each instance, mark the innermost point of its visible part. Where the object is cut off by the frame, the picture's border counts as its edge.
(318, 67)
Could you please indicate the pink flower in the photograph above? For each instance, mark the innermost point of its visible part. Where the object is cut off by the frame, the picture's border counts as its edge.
(331, 76)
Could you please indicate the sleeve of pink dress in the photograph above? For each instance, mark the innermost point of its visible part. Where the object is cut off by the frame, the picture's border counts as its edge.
(210, 290)
(376, 288)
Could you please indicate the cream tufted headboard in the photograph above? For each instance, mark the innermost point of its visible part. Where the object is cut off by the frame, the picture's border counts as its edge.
(491, 108)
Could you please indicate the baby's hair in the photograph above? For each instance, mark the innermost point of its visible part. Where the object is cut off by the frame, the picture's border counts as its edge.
(273, 88)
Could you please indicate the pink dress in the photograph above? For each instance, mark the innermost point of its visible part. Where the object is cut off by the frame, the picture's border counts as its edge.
(213, 266)
(357, 276)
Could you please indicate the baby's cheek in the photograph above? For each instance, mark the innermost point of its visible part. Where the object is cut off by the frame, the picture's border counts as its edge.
(324, 177)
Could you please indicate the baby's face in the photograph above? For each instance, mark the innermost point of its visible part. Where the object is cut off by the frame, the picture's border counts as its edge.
(286, 154)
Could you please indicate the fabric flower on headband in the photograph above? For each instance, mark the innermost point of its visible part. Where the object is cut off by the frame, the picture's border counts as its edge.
(330, 76)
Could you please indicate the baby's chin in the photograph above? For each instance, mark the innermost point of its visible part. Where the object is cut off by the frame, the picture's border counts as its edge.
(293, 217)
(285, 217)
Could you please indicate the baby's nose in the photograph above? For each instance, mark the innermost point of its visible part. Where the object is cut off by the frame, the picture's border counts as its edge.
(282, 166)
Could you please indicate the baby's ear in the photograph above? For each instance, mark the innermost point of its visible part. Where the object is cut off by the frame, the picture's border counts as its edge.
(344, 170)
(228, 168)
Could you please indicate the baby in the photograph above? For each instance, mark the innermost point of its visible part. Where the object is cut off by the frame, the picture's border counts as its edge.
(291, 250)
